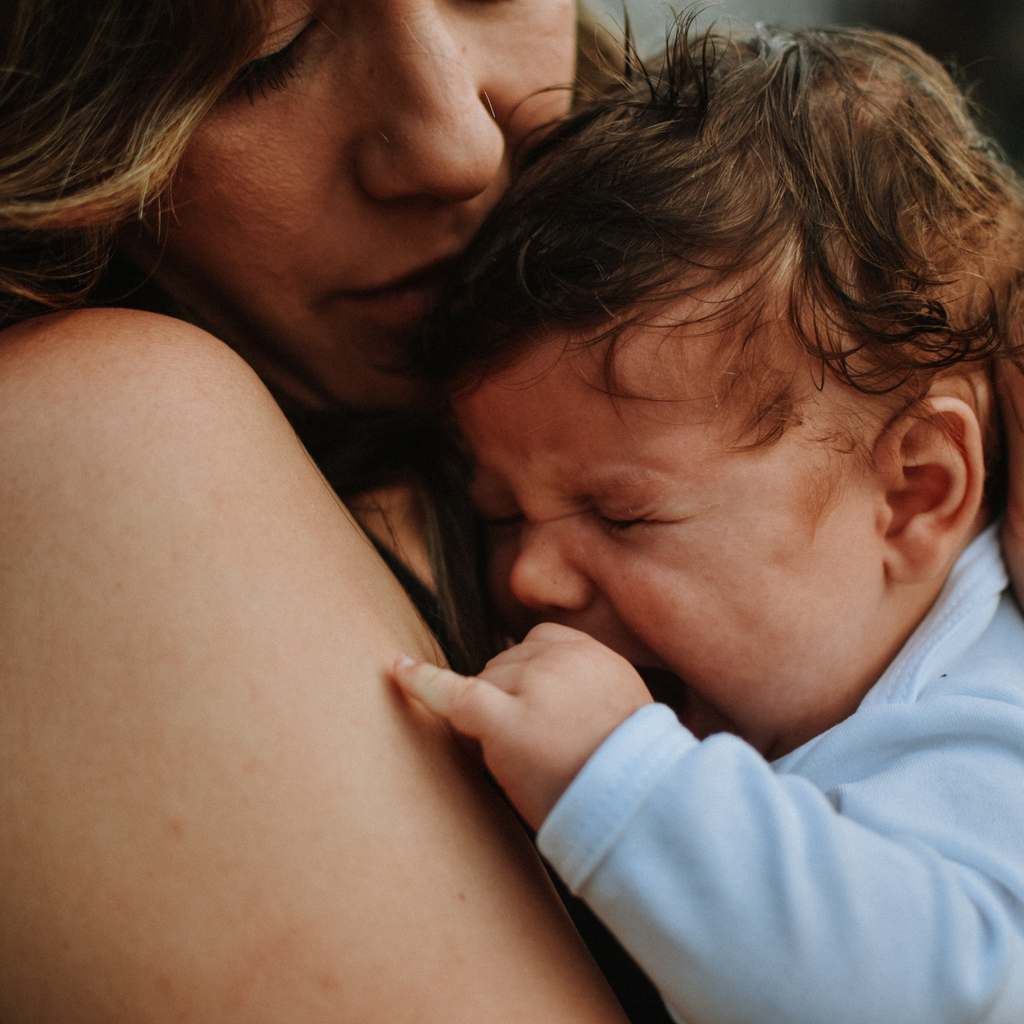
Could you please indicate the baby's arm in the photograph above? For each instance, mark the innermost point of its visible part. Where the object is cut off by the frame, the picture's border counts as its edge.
(539, 710)
(746, 897)
(739, 889)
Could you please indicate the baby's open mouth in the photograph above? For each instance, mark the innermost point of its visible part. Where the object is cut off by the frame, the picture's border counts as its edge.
(666, 687)
(693, 710)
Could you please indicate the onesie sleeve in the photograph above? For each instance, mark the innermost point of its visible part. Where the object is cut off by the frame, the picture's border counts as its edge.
(891, 891)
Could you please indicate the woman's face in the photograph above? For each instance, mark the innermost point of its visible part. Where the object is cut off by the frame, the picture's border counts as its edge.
(312, 217)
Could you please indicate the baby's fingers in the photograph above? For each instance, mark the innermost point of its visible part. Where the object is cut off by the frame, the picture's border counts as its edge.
(474, 706)
(436, 687)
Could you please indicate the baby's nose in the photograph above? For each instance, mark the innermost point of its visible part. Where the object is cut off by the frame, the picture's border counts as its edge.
(544, 578)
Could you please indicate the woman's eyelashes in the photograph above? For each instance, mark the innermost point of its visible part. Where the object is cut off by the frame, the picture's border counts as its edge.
(271, 71)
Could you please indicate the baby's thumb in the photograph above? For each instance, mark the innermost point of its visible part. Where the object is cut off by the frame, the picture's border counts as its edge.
(436, 687)
(470, 704)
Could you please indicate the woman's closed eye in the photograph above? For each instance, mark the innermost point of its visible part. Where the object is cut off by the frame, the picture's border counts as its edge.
(271, 71)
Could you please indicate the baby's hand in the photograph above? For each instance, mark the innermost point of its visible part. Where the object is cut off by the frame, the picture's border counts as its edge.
(1011, 399)
(539, 709)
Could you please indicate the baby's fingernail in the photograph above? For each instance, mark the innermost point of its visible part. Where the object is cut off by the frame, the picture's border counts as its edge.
(426, 682)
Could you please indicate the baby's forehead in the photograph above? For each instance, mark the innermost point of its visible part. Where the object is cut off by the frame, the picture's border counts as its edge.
(641, 376)
(676, 356)
(743, 386)
(549, 441)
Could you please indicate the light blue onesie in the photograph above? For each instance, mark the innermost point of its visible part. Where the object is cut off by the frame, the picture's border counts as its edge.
(875, 875)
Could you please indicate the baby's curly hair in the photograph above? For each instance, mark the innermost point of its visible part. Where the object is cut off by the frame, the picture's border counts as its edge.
(834, 178)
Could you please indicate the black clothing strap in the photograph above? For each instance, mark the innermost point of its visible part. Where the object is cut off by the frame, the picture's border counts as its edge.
(357, 452)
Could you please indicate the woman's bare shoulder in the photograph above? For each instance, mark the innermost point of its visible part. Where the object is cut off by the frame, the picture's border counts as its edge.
(99, 375)
(108, 339)
(100, 325)
(200, 751)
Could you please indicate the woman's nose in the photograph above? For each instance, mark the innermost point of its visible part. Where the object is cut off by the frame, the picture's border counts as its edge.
(436, 135)
(544, 578)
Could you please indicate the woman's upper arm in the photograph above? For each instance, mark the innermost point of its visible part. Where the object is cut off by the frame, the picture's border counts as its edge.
(213, 806)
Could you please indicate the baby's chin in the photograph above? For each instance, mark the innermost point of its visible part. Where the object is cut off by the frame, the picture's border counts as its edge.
(690, 707)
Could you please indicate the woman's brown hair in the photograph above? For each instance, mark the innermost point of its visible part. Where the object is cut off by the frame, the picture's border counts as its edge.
(98, 99)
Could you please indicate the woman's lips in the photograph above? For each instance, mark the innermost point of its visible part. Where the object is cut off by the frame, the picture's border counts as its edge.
(396, 307)
(406, 302)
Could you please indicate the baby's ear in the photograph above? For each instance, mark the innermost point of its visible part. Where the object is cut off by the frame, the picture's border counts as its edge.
(933, 468)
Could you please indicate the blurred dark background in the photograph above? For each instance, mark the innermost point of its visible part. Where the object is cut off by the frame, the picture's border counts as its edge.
(983, 39)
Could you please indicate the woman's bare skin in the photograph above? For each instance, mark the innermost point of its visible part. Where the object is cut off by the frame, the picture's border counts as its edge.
(213, 807)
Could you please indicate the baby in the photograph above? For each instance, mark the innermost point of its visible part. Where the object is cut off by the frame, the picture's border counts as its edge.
(724, 360)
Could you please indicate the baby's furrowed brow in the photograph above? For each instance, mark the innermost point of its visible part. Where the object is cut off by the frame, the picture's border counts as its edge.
(625, 484)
